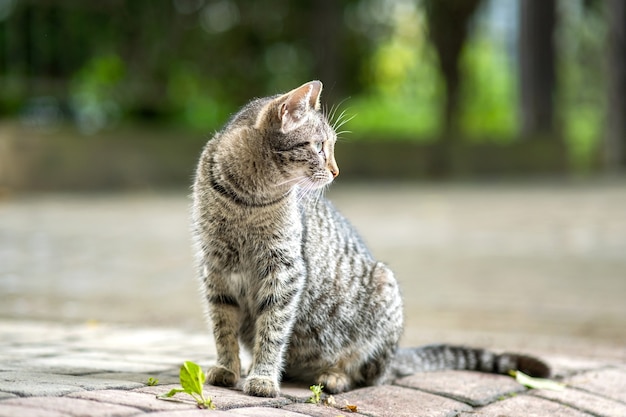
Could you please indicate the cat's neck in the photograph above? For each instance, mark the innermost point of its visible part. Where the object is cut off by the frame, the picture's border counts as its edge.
(243, 170)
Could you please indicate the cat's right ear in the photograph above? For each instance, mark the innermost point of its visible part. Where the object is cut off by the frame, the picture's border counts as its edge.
(294, 105)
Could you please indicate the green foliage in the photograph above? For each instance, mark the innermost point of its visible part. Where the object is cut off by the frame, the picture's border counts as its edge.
(489, 96)
(581, 98)
(95, 92)
(405, 90)
(152, 382)
(392, 118)
(193, 63)
(99, 77)
(583, 130)
(316, 391)
(196, 101)
(192, 381)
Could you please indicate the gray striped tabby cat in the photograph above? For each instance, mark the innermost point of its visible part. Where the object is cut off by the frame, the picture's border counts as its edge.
(285, 275)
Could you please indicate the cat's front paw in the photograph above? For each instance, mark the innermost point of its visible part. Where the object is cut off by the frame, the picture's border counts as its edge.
(261, 386)
(221, 376)
(334, 381)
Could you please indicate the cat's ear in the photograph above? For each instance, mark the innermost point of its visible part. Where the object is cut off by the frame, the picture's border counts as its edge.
(294, 105)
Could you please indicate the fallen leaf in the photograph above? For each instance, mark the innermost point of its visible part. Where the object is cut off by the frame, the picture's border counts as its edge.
(350, 407)
(537, 383)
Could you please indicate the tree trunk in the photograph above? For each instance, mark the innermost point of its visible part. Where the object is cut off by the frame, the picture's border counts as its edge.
(615, 135)
(326, 39)
(448, 24)
(537, 66)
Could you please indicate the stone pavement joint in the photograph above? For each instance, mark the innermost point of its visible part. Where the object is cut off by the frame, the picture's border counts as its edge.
(473, 388)
(61, 370)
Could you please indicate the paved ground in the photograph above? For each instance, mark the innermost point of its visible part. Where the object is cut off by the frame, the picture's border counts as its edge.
(97, 294)
(100, 370)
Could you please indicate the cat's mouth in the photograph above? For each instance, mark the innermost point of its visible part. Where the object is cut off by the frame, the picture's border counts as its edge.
(314, 182)
(322, 179)
(309, 181)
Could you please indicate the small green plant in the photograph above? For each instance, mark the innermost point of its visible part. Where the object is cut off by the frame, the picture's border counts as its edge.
(152, 381)
(316, 390)
(192, 380)
(536, 383)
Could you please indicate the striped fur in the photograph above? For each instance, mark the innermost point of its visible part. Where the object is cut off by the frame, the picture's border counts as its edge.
(284, 274)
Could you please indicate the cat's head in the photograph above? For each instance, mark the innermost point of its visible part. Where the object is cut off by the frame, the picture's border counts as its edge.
(301, 140)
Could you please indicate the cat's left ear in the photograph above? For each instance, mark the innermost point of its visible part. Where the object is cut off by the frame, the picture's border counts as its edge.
(295, 104)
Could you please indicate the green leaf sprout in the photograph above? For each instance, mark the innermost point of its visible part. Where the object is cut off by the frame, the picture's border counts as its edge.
(317, 393)
(192, 381)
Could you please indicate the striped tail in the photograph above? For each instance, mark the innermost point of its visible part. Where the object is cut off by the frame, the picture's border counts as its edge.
(408, 361)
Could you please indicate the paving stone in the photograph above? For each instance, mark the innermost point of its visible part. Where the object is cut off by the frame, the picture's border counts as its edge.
(7, 410)
(145, 340)
(13, 366)
(584, 401)
(95, 362)
(319, 410)
(158, 389)
(5, 395)
(59, 369)
(610, 383)
(223, 398)
(563, 367)
(264, 412)
(102, 370)
(191, 413)
(393, 401)
(145, 402)
(140, 378)
(295, 392)
(34, 332)
(28, 351)
(73, 406)
(474, 388)
(525, 406)
(28, 389)
(45, 384)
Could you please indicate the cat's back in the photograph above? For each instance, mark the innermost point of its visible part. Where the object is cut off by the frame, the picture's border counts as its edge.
(325, 225)
(335, 252)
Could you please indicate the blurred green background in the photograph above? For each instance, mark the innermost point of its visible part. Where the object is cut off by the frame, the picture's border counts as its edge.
(124, 93)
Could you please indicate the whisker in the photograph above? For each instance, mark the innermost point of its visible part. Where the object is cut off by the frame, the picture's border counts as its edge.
(302, 192)
(318, 194)
(348, 119)
(342, 120)
(333, 110)
(337, 122)
(331, 115)
(296, 179)
(336, 107)
(306, 191)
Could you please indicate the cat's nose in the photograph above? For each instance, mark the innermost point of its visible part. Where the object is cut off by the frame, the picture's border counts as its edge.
(334, 171)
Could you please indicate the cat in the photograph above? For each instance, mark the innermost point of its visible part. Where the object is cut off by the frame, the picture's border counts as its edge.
(285, 274)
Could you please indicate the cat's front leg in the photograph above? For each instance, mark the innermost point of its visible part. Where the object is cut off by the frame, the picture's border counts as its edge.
(225, 315)
(227, 370)
(276, 313)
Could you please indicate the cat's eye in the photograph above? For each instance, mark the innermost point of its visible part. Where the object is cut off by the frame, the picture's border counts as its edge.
(319, 146)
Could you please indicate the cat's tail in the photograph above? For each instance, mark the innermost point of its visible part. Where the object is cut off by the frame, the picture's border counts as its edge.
(408, 361)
